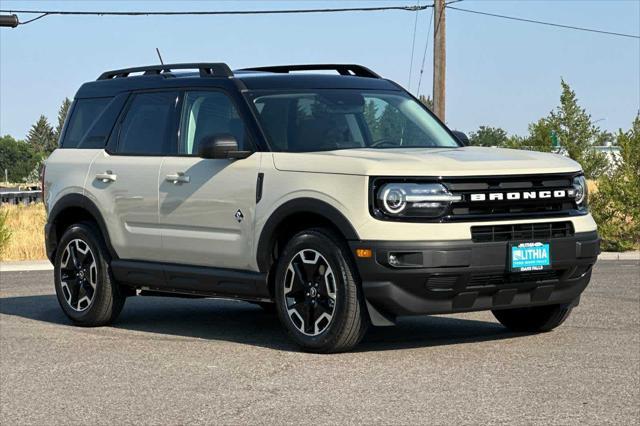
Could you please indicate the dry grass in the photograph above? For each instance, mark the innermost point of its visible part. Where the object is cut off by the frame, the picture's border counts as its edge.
(26, 225)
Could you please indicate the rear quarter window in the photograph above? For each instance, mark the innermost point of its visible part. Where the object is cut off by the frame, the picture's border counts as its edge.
(84, 114)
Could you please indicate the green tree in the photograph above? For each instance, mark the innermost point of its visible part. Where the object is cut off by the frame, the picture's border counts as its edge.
(539, 138)
(616, 204)
(41, 136)
(577, 134)
(488, 136)
(62, 116)
(17, 157)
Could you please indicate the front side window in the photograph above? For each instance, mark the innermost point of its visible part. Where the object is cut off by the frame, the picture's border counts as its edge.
(147, 126)
(324, 120)
(206, 114)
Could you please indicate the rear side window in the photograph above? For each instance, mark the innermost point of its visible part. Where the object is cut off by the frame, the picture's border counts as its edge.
(84, 115)
(147, 128)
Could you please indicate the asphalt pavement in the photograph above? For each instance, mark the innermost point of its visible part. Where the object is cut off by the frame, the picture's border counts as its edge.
(178, 361)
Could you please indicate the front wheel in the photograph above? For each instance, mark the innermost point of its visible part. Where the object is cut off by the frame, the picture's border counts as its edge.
(535, 319)
(318, 297)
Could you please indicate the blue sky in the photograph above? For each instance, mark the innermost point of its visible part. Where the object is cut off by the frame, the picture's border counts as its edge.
(499, 73)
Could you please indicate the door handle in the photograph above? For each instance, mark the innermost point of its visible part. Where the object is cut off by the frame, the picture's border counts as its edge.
(178, 178)
(107, 176)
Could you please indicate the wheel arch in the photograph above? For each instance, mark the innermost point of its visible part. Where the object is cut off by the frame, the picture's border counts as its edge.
(70, 209)
(293, 216)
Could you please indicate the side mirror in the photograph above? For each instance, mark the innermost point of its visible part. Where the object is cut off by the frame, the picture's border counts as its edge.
(461, 137)
(220, 146)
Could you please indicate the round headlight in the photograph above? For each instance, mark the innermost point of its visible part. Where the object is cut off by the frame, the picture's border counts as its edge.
(413, 200)
(394, 199)
(580, 185)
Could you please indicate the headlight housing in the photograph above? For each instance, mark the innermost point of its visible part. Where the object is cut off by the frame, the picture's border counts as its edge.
(413, 200)
(582, 192)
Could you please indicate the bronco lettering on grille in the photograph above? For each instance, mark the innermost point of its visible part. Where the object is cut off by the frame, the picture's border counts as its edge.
(523, 195)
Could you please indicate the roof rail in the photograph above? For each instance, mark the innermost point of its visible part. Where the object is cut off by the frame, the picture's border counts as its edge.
(342, 69)
(218, 69)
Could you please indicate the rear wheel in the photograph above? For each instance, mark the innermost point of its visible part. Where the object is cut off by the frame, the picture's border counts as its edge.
(318, 296)
(85, 290)
(535, 319)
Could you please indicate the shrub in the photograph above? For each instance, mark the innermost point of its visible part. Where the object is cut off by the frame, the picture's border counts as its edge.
(616, 204)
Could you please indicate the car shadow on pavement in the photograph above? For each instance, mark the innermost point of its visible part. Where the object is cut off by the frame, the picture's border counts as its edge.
(245, 323)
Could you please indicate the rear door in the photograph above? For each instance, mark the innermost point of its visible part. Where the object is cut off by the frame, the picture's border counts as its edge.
(124, 179)
(207, 206)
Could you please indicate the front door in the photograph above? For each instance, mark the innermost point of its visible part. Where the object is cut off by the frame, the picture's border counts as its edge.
(207, 206)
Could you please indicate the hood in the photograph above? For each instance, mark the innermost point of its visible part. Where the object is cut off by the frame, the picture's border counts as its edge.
(462, 161)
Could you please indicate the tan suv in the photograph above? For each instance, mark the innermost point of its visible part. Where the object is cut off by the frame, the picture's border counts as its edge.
(339, 201)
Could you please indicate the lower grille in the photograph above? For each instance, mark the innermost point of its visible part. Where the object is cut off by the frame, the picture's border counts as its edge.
(519, 232)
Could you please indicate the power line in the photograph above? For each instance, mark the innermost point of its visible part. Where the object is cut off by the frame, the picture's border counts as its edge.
(43, 13)
(551, 24)
(413, 47)
(424, 54)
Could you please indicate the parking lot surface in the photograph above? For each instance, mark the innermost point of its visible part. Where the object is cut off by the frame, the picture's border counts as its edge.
(169, 361)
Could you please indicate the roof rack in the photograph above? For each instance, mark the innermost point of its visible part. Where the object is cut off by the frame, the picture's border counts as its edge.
(342, 69)
(218, 69)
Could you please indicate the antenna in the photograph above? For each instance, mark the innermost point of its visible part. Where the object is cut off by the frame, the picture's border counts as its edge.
(159, 56)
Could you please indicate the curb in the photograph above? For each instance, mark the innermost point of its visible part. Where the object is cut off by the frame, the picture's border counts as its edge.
(625, 255)
(28, 265)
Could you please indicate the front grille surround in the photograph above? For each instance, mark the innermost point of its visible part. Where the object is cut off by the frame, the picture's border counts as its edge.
(468, 211)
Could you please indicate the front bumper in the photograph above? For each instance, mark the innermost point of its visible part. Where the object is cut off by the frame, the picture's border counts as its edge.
(460, 276)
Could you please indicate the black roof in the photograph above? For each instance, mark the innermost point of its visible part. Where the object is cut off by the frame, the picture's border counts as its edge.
(111, 83)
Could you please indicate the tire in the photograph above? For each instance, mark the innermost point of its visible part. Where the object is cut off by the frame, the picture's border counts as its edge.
(330, 315)
(84, 287)
(535, 319)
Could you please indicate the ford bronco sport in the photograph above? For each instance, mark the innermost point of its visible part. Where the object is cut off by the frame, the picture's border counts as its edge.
(339, 201)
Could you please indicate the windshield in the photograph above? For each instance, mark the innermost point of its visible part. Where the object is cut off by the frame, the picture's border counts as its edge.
(325, 120)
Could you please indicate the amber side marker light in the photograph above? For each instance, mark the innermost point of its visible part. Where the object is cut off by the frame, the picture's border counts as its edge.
(364, 253)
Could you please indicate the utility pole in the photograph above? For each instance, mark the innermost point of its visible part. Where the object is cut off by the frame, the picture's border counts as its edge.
(439, 58)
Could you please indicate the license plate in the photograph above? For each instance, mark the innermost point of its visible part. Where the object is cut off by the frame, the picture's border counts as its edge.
(529, 257)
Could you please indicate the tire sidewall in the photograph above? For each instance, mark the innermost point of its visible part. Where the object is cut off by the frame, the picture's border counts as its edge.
(333, 254)
(86, 234)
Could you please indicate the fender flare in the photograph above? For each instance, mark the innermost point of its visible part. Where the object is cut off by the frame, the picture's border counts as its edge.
(296, 206)
(74, 201)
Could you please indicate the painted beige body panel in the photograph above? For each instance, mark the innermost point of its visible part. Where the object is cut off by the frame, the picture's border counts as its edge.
(197, 218)
(129, 205)
(66, 173)
(467, 161)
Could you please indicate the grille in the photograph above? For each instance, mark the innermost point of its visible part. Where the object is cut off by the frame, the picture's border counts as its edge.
(488, 280)
(523, 231)
(482, 210)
